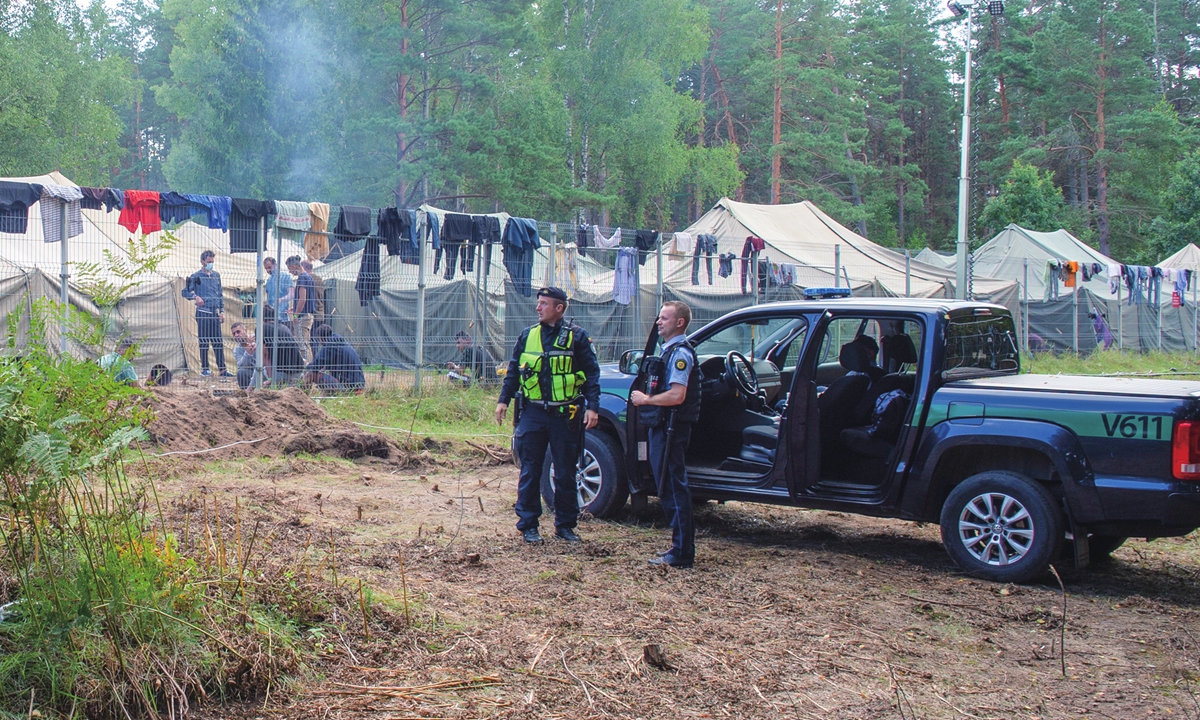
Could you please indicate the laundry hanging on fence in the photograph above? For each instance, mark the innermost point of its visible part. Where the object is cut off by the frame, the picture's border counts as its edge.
(725, 261)
(608, 243)
(706, 243)
(15, 199)
(215, 209)
(367, 282)
(645, 241)
(245, 223)
(582, 238)
(141, 209)
(520, 241)
(682, 243)
(316, 242)
(110, 198)
(753, 244)
(395, 225)
(174, 208)
(566, 272)
(292, 220)
(1114, 278)
(54, 197)
(625, 276)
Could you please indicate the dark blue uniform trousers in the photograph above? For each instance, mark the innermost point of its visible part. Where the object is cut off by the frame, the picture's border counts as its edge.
(671, 476)
(536, 430)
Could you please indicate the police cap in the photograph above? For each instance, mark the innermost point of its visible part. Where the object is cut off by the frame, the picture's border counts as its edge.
(553, 293)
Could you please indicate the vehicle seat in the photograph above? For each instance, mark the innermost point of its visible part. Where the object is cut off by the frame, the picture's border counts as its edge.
(836, 405)
(882, 409)
(759, 443)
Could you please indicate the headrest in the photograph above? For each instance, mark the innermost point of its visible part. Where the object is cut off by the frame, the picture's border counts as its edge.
(853, 357)
(900, 348)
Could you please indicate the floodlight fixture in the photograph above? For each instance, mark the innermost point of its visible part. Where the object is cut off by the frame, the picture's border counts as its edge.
(956, 8)
(995, 8)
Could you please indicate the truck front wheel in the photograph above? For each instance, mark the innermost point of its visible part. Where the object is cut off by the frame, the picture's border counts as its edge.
(1001, 526)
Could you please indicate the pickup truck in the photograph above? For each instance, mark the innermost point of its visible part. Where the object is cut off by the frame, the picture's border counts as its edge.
(916, 409)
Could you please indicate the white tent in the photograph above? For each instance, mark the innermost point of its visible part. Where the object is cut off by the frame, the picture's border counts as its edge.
(1187, 258)
(1014, 249)
(154, 312)
(803, 235)
(929, 256)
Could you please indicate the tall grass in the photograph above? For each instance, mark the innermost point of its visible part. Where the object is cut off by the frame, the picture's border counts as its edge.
(102, 615)
(1113, 362)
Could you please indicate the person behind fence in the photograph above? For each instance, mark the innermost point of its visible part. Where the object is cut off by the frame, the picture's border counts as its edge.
(279, 287)
(304, 306)
(336, 365)
(474, 364)
(552, 374)
(318, 295)
(281, 352)
(670, 407)
(203, 288)
(117, 363)
(243, 355)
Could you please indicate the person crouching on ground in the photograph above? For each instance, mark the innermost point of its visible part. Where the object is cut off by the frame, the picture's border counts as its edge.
(473, 362)
(117, 363)
(670, 408)
(281, 352)
(336, 366)
(243, 354)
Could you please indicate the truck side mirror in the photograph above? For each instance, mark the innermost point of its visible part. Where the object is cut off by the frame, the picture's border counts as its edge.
(631, 362)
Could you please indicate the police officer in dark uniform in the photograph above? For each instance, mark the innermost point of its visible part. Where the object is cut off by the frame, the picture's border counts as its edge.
(670, 407)
(553, 373)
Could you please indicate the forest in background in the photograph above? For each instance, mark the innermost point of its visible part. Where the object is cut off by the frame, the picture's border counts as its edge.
(628, 113)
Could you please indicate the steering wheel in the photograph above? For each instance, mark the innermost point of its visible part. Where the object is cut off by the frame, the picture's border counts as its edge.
(740, 373)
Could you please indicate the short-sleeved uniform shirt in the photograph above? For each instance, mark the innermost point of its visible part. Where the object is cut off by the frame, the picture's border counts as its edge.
(679, 361)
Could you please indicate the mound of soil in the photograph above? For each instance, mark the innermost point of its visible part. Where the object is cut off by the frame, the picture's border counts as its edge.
(238, 424)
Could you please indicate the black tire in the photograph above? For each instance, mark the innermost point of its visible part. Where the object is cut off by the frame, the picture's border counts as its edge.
(601, 483)
(1022, 535)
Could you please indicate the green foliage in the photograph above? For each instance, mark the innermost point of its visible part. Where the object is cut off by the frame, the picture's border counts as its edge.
(1180, 222)
(1027, 198)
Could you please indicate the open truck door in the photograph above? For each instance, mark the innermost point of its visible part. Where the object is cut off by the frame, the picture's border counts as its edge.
(637, 446)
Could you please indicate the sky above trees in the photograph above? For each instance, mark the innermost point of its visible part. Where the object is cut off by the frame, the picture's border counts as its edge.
(621, 112)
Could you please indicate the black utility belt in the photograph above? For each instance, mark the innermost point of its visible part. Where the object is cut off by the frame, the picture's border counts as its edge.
(570, 409)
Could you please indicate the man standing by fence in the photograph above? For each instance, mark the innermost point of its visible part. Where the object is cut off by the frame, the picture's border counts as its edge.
(203, 288)
(304, 306)
(553, 373)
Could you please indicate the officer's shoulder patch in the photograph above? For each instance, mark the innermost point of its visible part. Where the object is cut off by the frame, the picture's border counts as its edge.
(681, 364)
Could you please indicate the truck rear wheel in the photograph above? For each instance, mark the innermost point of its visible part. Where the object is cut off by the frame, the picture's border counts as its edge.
(1001, 526)
(600, 481)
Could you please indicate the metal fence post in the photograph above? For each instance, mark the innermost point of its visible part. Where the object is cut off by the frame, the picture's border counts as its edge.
(553, 251)
(1195, 313)
(259, 287)
(1120, 321)
(907, 273)
(837, 265)
(1075, 319)
(754, 274)
(64, 275)
(660, 272)
(1025, 294)
(419, 354)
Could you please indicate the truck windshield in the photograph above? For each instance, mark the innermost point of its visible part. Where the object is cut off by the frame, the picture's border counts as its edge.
(980, 345)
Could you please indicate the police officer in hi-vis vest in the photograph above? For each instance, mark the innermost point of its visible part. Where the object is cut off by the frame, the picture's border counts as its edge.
(669, 408)
(552, 373)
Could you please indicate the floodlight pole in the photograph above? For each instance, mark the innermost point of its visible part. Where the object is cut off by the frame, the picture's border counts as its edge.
(964, 178)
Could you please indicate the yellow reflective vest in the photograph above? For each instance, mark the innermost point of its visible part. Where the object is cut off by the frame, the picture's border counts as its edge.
(548, 376)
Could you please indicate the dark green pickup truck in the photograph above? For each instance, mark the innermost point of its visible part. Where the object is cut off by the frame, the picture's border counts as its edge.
(916, 409)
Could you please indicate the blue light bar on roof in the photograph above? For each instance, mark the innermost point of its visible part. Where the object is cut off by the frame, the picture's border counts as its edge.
(826, 293)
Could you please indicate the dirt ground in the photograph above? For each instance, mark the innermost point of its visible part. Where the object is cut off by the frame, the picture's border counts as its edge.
(788, 613)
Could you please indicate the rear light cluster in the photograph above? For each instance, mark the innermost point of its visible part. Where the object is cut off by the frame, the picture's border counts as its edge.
(1185, 451)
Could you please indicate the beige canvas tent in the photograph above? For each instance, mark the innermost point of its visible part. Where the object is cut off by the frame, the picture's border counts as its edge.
(1014, 249)
(1188, 258)
(929, 256)
(802, 234)
(153, 312)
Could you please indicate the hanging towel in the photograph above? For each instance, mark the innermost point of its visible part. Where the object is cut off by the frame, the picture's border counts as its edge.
(53, 199)
(316, 242)
(624, 278)
(174, 208)
(1072, 268)
(566, 274)
(292, 220)
(245, 223)
(141, 208)
(682, 242)
(215, 208)
(15, 199)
